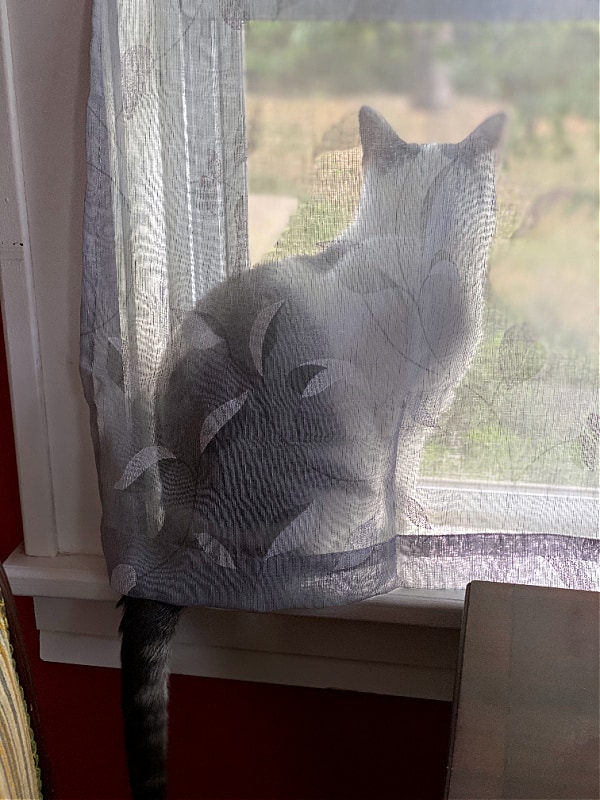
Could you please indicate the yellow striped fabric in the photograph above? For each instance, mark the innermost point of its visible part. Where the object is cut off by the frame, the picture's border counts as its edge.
(19, 771)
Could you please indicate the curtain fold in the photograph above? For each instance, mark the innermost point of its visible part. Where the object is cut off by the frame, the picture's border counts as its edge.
(259, 431)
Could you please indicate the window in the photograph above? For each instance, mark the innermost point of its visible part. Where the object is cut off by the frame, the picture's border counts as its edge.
(547, 198)
(436, 81)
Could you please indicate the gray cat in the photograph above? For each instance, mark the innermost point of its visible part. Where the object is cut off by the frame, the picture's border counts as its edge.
(294, 402)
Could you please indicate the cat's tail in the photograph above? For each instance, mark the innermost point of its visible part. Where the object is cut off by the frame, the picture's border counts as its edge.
(147, 629)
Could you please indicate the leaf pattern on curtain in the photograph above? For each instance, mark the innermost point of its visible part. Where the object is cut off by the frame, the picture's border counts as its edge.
(259, 433)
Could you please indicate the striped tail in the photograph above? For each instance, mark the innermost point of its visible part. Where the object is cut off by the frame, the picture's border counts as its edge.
(147, 629)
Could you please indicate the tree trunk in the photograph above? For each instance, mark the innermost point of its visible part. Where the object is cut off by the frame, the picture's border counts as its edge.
(432, 84)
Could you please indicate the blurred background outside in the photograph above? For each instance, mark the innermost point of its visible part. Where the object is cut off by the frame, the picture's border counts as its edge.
(528, 410)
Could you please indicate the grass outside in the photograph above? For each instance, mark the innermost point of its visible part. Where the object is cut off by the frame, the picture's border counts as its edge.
(528, 409)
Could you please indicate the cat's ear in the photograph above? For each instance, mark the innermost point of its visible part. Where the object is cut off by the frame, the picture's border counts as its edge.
(377, 136)
(488, 135)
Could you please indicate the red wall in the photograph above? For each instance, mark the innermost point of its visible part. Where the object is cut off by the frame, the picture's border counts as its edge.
(229, 739)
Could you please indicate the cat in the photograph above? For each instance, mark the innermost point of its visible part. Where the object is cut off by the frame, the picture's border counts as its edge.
(295, 399)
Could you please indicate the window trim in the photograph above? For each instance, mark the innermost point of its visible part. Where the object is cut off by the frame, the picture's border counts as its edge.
(75, 585)
(20, 320)
(403, 643)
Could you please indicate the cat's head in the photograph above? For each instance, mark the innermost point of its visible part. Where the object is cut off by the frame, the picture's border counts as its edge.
(434, 197)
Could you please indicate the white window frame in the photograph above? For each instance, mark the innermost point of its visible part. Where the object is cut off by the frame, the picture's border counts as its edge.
(43, 86)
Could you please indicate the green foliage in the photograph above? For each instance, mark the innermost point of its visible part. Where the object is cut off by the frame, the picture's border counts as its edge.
(326, 57)
(542, 70)
(508, 421)
(520, 356)
(315, 223)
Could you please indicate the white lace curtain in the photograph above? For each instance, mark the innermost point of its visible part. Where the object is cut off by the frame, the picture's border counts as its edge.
(351, 415)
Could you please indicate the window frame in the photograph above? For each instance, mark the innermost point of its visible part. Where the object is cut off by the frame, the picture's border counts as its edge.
(40, 244)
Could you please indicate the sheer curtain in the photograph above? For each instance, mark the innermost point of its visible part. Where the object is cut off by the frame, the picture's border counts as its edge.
(363, 409)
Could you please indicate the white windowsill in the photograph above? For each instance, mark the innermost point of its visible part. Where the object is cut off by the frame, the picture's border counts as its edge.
(402, 643)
